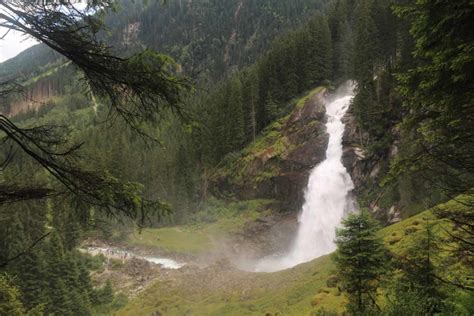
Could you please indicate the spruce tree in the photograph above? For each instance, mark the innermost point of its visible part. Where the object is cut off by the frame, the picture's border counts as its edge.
(184, 185)
(106, 293)
(85, 284)
(33, 279)
(235, 116)
(271, 109)
(361, 260)
(60, 299)
(319, 65)
(250, 99)
(439, 96)
(10, 303)
(365, 50)
(419, 276)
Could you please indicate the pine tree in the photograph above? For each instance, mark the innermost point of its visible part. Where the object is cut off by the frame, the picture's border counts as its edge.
(10, 303)
(342, 41)
(16, 241)
(33, 279)
(250, 98)
(343, 54)
(361, 261)
(235, 116)
(288, 77)
(106, 293)
(419, 276)
(60, 300)
(365, 50)
(439, 94)
(85, 284)
(66, 223)
(319, 66)
(271, 109)
(184, 185)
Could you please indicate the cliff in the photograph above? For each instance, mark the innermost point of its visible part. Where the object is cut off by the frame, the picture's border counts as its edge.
(277, 164)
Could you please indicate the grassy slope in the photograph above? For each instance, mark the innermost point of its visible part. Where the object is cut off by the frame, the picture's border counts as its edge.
(198, 237)
(288, 292)
(297, 291)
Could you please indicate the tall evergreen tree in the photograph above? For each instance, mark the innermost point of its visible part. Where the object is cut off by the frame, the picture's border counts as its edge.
(184, 184)
(439, 94)
(250, 99)
(319, 65)
(271, 108)
(57, 270)
(10, 303)
(235, 116)
(365, 50)
(418, 278)
(361, 260)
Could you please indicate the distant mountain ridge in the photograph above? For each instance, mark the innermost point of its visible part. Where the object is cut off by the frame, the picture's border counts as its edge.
(208, 39)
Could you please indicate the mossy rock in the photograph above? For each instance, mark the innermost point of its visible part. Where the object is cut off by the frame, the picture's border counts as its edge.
(394, 239)
(324, 290)
(410, 230)
(332, 281)
(318, 298)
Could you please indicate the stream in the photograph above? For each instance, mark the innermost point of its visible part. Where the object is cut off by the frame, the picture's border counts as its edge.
(124, 255)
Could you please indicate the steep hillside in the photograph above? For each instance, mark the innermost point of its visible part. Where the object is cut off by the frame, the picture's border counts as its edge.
(207, 39)
(277, 164)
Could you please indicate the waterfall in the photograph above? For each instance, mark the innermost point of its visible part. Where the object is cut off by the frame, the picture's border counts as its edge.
(327, 198)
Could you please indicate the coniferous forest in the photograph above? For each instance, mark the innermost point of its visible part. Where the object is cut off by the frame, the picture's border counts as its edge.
(167, 157)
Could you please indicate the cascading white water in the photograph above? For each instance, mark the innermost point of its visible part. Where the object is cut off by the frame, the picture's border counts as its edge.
(327, 198)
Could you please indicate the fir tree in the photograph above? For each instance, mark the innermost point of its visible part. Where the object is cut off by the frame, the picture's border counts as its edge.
(419, 275)
(10, 303)
(361, 261)
(365, 50)
(60, 300)
(33, 279)
(250, 98)
(271, 109)
(319, 66)
(106, 294)
(235, 116)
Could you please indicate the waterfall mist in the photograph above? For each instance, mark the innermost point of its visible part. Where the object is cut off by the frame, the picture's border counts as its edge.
(327, 196)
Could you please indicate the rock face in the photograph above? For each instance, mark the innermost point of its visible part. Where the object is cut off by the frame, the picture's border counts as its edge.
(354, 156)
(277, 165)
(366, 170)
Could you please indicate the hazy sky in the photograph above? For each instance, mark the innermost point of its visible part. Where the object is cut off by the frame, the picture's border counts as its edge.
(13, 44)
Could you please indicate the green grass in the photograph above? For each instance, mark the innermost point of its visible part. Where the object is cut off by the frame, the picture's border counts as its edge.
(400, 236)
(289, 292)
(180, 239)
(212, 223)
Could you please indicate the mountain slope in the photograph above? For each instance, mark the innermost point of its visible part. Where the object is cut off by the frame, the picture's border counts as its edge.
(208, 39)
